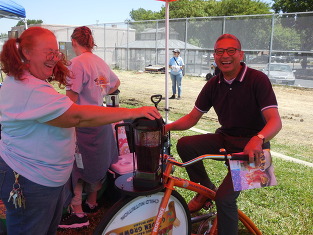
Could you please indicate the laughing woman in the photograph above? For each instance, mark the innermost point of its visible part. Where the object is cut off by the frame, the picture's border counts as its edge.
(38, 137)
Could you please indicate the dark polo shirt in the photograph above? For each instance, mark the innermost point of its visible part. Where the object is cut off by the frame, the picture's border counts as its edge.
(238, 105)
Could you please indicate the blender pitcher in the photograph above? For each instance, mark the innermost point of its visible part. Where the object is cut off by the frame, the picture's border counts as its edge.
(148, 147)
(147, 138)
(112, 100)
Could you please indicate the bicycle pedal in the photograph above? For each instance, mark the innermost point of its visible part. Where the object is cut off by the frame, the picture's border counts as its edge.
(208, 204)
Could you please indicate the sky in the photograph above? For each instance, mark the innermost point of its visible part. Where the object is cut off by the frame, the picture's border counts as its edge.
(80, 12)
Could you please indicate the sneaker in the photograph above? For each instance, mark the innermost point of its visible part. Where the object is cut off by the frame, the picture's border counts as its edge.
(178, 98)
(74, 221)
(172, 97)
(87, 208)
(197, 203)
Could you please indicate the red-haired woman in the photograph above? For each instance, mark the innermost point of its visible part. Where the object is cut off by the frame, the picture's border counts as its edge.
(38, 137)
(96, 146)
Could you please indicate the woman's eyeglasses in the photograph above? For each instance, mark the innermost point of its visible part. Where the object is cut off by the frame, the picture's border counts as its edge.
(56, 54)
(230, 51)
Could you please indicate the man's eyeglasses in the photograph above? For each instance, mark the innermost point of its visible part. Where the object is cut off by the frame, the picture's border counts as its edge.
(230, 51)
(56, 54)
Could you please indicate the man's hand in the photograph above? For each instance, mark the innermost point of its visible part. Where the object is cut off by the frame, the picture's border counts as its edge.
(254, 149)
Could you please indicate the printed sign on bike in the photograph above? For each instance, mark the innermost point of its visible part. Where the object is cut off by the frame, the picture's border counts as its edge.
(249, 176)
(137, 218)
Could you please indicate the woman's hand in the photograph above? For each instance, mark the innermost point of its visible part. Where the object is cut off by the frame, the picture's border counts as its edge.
(147, 111)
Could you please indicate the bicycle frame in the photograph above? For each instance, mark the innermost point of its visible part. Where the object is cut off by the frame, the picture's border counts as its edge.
(170, 182)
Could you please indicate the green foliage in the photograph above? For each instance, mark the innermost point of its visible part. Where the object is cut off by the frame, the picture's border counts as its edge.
(29, 22)
(204, 8)
(242, 7)
(287, 38)
(302, 25)
(142, 14)
(194, 41)
(292, 6)
(205, 27)
(188, 9)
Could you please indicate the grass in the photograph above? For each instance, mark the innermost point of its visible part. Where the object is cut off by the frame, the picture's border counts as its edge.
(293, 150)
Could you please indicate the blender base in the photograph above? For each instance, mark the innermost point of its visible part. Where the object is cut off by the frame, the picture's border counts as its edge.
(125, 183)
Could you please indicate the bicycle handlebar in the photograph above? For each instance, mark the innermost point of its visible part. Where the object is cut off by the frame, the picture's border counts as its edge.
(233, 156)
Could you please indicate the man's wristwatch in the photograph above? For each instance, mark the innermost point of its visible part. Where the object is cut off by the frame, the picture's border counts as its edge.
(261, 137)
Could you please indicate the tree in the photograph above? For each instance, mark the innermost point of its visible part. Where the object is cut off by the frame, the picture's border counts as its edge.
(303, 25)
(292, 6)
(204, 8)
(242, 7)
(142, 14)
(188, 9)
(200, 8)
(285, 38)
(29, 22)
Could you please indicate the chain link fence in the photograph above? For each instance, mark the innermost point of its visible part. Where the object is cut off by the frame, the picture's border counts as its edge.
(284, 40)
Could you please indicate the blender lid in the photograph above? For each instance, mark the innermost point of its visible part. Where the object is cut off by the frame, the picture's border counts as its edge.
(116, 92)
(147, 124)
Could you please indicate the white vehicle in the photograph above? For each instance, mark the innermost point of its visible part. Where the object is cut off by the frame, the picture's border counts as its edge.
(280, 73)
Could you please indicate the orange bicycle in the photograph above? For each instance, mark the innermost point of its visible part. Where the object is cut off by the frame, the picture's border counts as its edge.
(161, 209)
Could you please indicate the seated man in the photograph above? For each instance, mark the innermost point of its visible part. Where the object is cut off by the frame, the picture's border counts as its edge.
(247, 110)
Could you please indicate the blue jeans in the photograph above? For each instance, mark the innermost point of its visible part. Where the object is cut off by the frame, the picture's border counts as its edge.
(43, 205)
(176, 81)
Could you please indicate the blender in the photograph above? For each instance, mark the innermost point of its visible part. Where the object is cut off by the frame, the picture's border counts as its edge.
(112, 100)
(146, 141)
(148, 147)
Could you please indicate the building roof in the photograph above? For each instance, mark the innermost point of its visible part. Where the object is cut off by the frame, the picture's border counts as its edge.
(152, 44)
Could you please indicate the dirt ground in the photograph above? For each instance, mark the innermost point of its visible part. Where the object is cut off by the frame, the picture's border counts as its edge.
(295, 107)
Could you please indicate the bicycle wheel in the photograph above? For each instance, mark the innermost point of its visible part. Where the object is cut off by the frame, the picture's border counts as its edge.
(135, 215)
(209, 226)
(247, 222)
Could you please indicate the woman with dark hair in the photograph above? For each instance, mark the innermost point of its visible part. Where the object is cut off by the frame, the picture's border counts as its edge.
(96, 146)
(37, 143)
